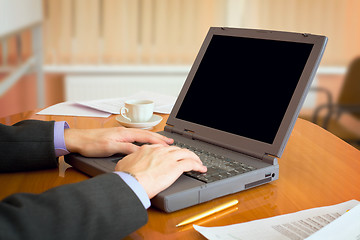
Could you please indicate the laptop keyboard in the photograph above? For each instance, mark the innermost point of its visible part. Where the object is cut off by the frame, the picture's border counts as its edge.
(218, 167)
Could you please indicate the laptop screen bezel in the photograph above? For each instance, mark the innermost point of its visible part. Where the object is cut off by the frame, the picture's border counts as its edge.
(237, 142)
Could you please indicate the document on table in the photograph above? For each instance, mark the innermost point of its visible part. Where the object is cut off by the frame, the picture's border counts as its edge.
(73, 109)
(341, 221)
(105, 107)
(163, 103)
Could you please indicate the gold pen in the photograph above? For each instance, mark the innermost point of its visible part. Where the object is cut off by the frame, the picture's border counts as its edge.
(208, 212)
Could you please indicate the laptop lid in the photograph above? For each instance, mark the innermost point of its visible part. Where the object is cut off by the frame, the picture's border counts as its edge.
(246, 88)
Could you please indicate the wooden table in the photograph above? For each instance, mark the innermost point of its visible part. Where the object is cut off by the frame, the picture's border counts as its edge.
(316, 169)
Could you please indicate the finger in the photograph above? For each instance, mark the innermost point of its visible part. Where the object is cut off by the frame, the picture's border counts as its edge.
(144, 136)
(189, 164)
(127, 148)
(130, 147)
(121, 147)
(179, 154)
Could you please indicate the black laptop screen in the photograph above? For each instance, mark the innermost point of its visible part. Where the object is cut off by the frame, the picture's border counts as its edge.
(244, 85)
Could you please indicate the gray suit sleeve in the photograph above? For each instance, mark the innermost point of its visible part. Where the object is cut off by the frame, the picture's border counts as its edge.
(103, 207)
(27, 145)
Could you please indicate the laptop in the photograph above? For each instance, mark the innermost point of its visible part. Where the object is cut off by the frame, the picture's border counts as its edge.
(236, 110)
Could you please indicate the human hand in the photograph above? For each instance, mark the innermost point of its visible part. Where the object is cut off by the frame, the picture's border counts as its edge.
(156, 167)
(105, 142)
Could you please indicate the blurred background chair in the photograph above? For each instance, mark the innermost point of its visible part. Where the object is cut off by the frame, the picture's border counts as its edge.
(330, 115)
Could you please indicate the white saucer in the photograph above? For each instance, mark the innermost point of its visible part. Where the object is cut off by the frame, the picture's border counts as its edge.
(154, 120)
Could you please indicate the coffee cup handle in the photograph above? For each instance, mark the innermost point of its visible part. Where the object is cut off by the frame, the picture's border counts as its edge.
(123, 112)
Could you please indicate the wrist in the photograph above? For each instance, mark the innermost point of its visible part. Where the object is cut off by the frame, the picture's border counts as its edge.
(72, 140)
(131, 175)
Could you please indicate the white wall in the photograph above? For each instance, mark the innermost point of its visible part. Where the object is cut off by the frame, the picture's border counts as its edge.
(18, 14)
(125, 81)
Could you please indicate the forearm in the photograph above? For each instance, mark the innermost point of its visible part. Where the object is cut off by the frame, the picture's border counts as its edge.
(103, 207)
(34, 144)
(27, 145)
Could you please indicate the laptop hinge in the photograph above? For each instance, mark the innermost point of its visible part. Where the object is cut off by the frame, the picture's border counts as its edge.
(188, 133)
(268, 158)
(169, 128)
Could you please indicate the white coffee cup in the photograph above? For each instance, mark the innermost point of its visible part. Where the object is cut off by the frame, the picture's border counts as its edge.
(137, 111)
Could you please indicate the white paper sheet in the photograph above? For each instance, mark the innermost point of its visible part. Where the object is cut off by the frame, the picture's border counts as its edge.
(295, 226)
(105, 107)
(73, 109)
(112, 105)
(163, 103)
(345, 227)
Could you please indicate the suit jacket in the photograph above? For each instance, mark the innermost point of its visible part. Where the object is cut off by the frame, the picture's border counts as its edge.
(103, 207)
